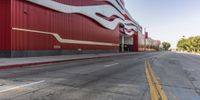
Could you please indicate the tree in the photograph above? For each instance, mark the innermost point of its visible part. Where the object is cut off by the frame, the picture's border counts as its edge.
(191, 44)
(183, 44)
(166, 46)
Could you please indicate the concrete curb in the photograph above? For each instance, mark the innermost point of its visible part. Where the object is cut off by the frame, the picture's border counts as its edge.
(189, 53)
(57, 61)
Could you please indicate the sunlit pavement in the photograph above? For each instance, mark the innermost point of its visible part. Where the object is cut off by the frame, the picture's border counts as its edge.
(179, 75)
(114, 78)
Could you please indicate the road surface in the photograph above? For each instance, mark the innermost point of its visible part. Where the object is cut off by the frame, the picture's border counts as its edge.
(135, 77)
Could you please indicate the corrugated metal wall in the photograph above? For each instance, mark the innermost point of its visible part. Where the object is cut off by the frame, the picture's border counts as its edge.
(69, 26)
(5, 25)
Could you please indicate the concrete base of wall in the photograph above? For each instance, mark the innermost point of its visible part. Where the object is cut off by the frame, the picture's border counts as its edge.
(36, 53)
(5, 53)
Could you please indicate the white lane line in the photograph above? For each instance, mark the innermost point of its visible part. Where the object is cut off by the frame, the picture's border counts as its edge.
(111, 65)
(22, 86)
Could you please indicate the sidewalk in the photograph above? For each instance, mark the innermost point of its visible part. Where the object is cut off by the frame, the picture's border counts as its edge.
(197, 54)
(6, 63)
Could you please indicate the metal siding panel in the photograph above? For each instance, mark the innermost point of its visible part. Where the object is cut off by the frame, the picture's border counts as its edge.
(69, 26)
(5, 25)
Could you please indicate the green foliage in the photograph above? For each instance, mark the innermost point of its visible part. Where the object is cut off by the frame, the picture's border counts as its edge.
(166, 46)
(191, 44)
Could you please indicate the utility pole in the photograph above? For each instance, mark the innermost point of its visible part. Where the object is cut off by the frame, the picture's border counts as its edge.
(145, 39)
(122, 43)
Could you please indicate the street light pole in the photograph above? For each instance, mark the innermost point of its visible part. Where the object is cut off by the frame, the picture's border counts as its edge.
(145, 39)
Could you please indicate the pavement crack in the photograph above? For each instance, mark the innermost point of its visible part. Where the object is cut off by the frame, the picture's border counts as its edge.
(145, 93)
(174, 86)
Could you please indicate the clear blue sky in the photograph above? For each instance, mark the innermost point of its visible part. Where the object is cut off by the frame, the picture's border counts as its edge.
(167, 20)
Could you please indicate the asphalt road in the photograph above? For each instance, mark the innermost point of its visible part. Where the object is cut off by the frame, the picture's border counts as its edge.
(179, 75)
(114, 78)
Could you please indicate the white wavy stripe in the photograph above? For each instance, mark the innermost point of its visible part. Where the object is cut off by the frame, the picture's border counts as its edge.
(61, 40)
(121, 3)
(114, 2)
(89, 11)
(133, 20)
(130, 22)
(122, 10)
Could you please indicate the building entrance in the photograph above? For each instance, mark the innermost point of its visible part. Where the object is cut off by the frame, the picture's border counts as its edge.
(126, 43)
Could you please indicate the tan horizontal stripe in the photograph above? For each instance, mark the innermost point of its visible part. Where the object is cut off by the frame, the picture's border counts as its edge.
(70, 41)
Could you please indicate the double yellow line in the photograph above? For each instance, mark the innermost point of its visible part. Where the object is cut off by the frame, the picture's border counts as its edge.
(155, 89)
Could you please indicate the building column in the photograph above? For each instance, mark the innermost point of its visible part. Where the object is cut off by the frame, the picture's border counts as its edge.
(135, 42)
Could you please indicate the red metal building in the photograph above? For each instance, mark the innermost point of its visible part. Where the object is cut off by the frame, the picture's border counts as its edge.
(53, 27)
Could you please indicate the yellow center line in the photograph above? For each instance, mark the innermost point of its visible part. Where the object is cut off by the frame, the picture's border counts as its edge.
(152, 89)
(156, 90)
